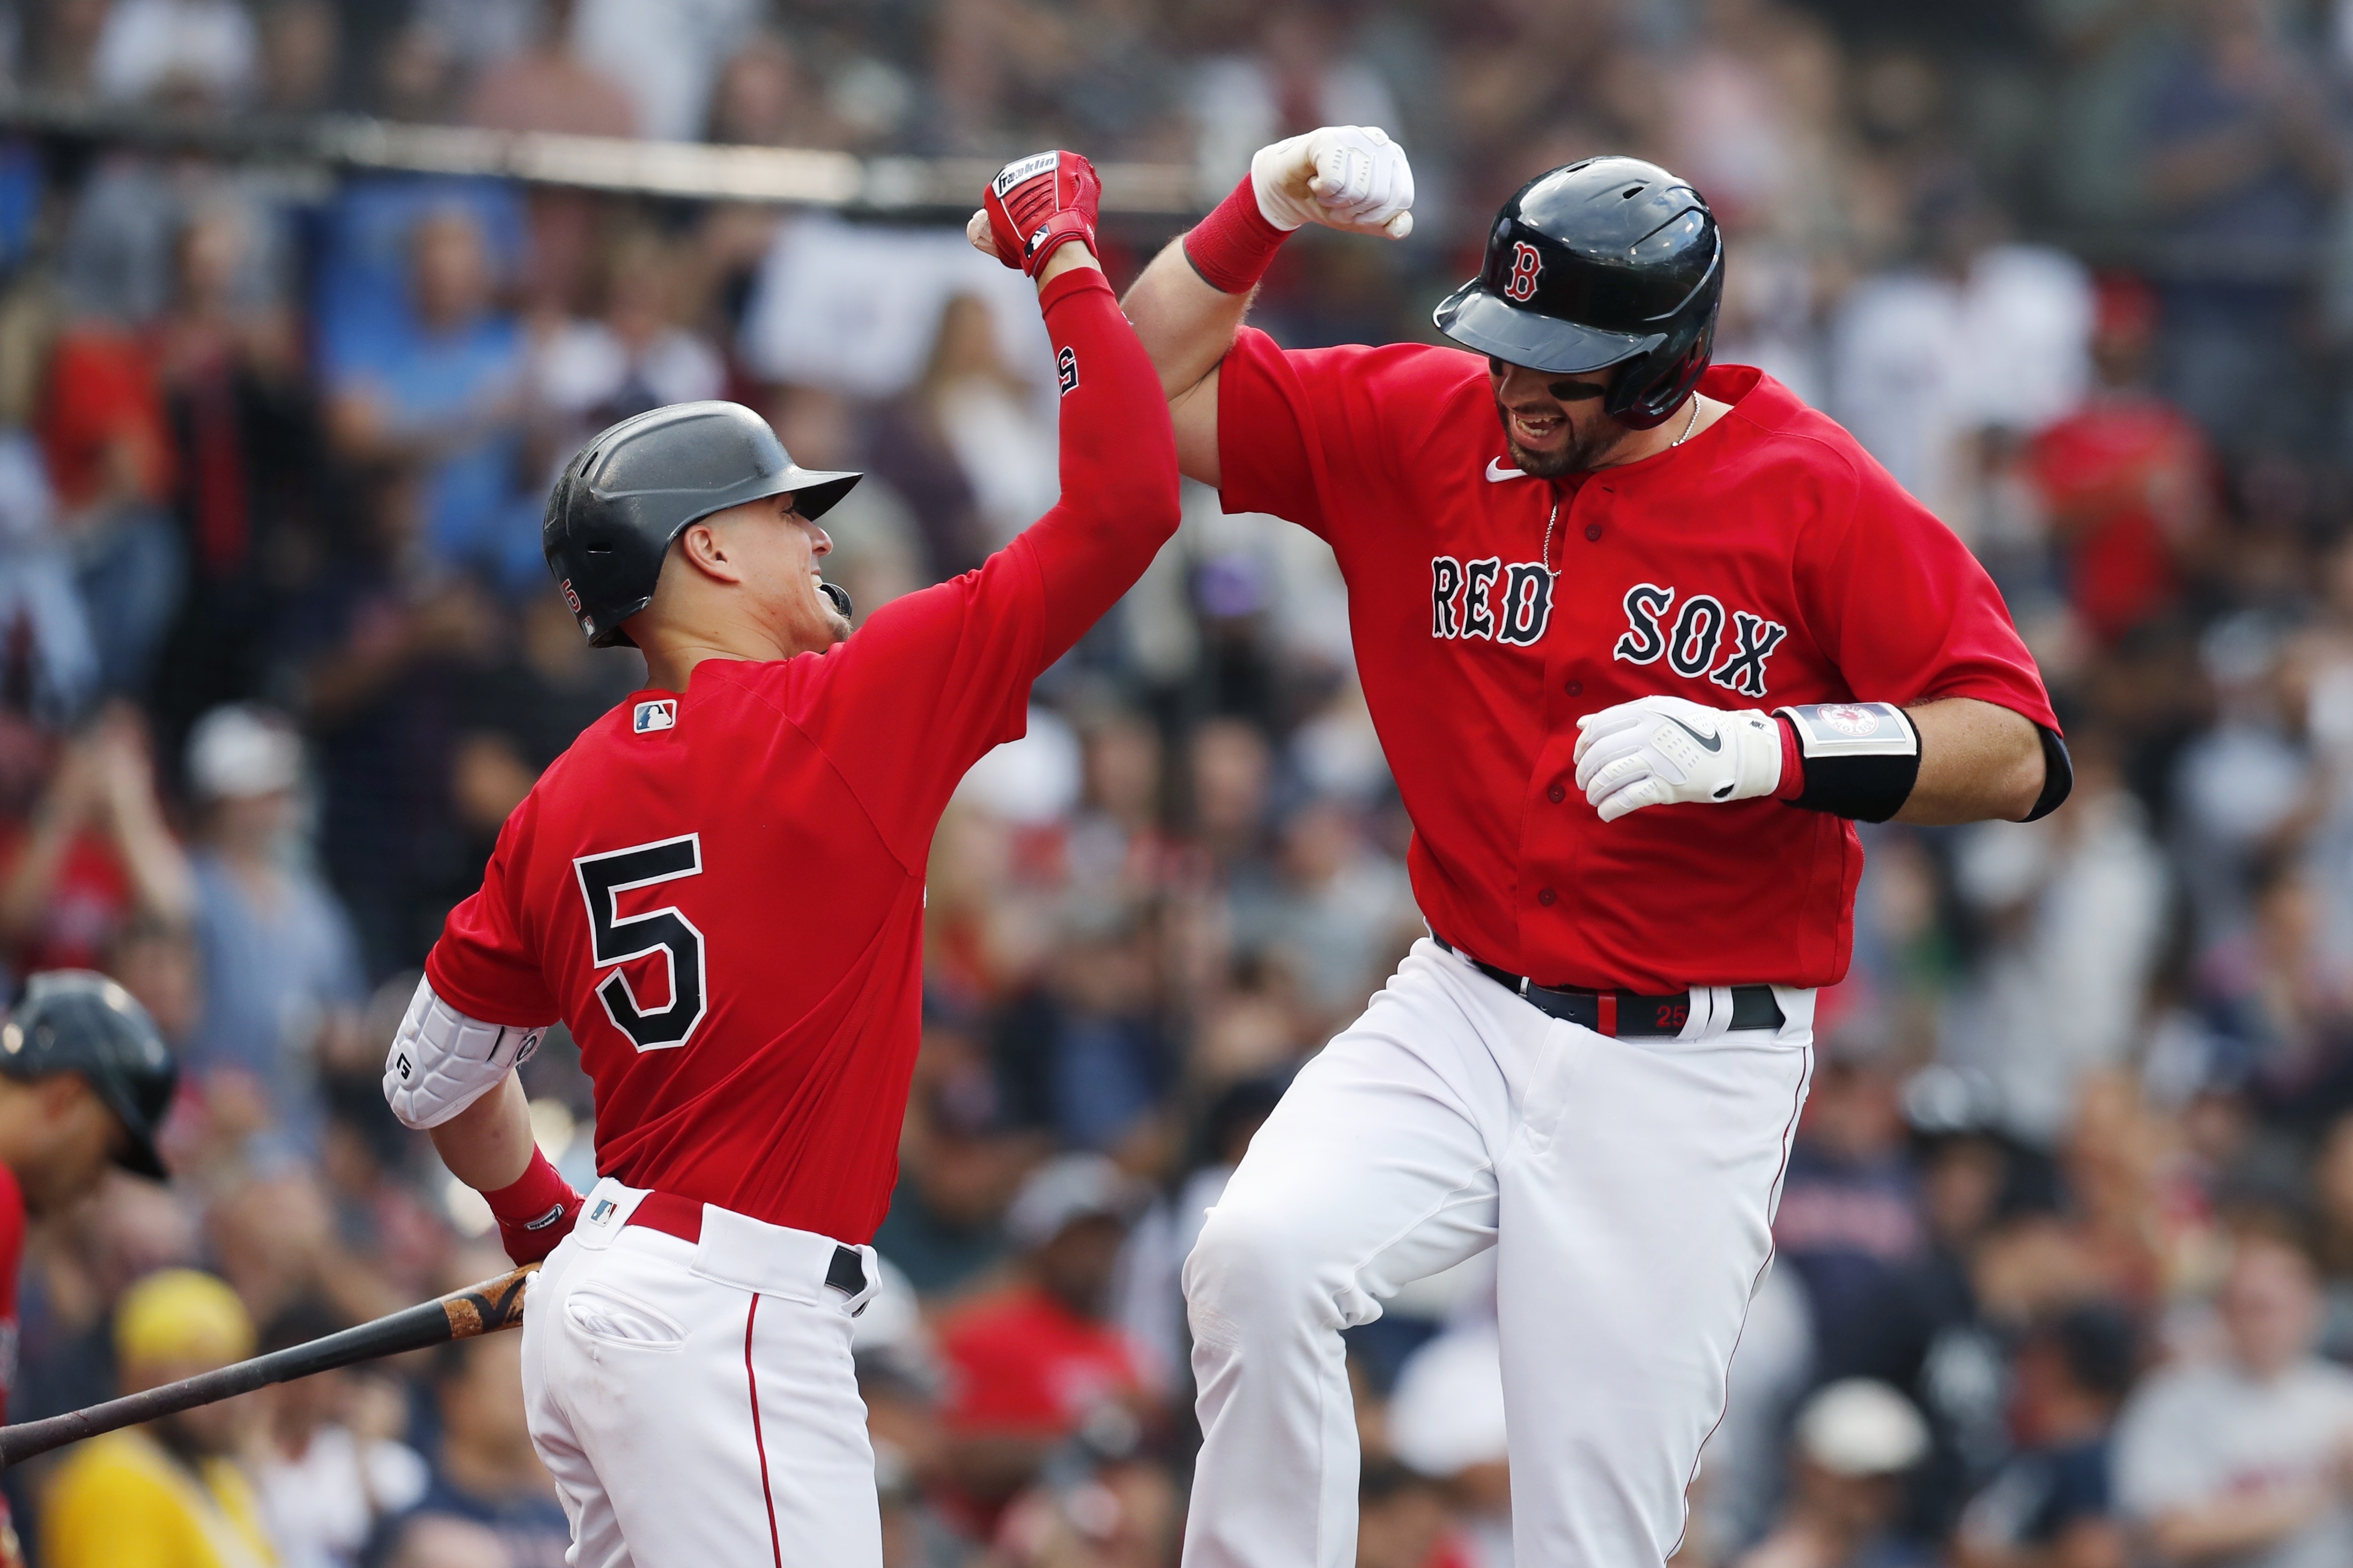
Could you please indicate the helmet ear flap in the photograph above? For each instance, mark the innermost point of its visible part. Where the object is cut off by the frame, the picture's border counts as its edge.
(1644, 406)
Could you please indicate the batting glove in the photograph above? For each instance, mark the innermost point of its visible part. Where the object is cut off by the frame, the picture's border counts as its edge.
(1663, 750)
(1038, 203)
(1342, 176)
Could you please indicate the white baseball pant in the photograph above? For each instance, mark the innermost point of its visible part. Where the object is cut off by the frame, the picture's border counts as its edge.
(1628, 1186)
(695, 1401)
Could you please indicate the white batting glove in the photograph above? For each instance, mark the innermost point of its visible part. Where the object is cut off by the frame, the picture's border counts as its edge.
(1350, 177)
(1663, 750)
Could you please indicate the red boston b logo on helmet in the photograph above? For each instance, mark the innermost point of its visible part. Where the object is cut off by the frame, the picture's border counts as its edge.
(1526, 265)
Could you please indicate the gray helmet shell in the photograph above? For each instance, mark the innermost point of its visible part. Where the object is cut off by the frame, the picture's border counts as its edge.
(634, 487)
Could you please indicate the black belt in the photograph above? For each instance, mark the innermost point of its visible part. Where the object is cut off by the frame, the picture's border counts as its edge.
(1623, 1014)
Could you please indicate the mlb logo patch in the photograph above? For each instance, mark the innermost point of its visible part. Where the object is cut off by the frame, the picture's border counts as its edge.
(602, 1212)
(659, 714)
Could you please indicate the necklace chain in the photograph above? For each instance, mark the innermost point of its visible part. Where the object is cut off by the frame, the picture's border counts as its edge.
(1554, 516)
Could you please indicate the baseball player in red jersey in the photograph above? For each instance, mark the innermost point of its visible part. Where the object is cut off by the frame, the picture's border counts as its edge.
(85, 1081)
(720, 889)
(1643, 639)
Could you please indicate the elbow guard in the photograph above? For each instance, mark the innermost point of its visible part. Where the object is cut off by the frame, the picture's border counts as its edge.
(441, 1061)
(1861, 759)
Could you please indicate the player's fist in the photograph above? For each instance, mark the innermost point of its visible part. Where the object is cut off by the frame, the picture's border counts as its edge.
(1034, 204)
(1664, 750)
(1342, 176)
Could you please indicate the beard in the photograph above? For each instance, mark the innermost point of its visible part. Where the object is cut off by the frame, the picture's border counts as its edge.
(1582, 453)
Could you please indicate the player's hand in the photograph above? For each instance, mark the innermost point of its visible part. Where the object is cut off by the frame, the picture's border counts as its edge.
(1034, 205)
(1664, 750)
(1349, 177)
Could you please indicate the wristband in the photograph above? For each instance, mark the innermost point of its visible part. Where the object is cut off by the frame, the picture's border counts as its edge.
(1793, 762)
(1232, 247)
(2058, 774)
(535, 1211)
(1859, 760)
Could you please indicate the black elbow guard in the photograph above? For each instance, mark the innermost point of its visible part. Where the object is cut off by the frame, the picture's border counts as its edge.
(1862, 758)
(2058, 775)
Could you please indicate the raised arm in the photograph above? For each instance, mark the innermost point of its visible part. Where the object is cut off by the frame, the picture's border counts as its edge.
(1191, 299)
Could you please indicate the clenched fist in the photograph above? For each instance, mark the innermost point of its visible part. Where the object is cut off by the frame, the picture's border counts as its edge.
(1350, 177)
(1665, 750)
(1033, 206)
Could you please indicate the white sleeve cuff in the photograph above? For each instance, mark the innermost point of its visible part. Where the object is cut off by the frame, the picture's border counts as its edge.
(441, 1061)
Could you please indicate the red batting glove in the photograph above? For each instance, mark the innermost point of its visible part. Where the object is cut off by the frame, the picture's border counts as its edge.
(535, 1212)
(1037, 202)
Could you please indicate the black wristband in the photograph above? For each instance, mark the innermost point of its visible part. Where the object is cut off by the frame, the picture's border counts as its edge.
(2058, 775)
(1861, 759)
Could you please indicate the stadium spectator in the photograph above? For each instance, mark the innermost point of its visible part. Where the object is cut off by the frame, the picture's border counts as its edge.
(444, 389)
(282, 968)
(111, 463)
(1853, 1442)
(545, 86)
(170, 1491)
(484, 1474)
(2050, 1506)
(324, 1478)
(2241, 1456)
(95, 856)
(1032, 1365)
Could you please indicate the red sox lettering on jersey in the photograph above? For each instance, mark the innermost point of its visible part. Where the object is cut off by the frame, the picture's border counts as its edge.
(1768, 560)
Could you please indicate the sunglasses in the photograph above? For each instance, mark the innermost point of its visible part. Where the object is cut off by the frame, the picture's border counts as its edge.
(1560, 391)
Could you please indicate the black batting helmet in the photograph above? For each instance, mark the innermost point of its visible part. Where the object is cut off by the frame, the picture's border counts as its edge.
(73, 1020)
(1611, 262)
(632, 490)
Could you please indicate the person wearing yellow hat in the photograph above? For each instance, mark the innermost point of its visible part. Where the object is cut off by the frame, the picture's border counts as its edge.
(165, 1495)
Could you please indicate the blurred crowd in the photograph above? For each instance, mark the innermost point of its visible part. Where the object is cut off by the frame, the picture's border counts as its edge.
(2065, 1273)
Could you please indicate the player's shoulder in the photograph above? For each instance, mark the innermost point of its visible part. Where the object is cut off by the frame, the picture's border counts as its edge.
(1377, 370)
(1796, 450)
(1781, 428)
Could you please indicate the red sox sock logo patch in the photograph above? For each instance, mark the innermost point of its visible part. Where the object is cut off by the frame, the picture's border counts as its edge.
(1066, 370)
(1465, 600)
(1526, 266)
(1693, 641)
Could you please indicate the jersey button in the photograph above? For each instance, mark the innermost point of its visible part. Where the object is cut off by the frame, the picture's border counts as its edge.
(1592, 530)
(1556, 794)
(1546, 897)
(1575, 689)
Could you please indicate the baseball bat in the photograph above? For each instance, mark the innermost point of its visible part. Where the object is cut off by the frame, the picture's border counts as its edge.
(482, 1309)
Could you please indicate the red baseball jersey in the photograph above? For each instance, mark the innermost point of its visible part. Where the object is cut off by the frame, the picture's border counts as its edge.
(1766, 560)
(721, 891)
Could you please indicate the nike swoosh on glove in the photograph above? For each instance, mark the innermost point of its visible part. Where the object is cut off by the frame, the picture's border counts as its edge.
(1342, 176)
(1664, 750)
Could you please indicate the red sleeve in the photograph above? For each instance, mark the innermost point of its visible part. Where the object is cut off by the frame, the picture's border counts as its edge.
(1904, 611)
(484, 965)
(1296, 427)
(937, 679)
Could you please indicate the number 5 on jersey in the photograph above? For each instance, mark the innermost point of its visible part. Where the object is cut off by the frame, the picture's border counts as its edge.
(614, 941)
